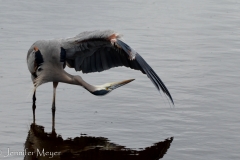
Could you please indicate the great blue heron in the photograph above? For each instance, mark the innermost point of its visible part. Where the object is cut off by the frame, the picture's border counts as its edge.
(88, 52)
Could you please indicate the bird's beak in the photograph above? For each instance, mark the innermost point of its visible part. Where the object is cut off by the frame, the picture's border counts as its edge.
(115, 85)
(108, 87)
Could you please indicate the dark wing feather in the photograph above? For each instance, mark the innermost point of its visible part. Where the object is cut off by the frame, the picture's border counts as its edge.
(98, 54)
(98, 62)
(102, 53)
(93, 62)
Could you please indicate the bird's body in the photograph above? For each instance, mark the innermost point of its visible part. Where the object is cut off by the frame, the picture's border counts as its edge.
(88, 52)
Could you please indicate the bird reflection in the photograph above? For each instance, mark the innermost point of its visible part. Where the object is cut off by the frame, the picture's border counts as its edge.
(41, 145)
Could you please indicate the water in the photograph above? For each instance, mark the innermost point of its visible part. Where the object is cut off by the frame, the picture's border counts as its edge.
(192, 45)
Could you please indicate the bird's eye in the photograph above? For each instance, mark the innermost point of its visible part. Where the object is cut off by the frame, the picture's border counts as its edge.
(39, 69)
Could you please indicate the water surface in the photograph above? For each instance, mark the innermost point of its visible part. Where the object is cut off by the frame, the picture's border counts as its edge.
(192, 45)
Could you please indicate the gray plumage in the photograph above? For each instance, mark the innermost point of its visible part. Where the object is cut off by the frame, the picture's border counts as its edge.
(88, 52)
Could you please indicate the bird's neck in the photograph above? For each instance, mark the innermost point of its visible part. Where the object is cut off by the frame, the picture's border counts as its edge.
(77, 80)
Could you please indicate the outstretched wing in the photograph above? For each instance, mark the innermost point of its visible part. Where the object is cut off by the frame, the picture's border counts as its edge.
(97, 51)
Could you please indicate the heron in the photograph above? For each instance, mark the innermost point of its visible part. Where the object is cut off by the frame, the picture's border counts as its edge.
(89, 51)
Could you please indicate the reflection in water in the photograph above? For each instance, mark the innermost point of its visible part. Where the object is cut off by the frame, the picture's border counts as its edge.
(41, 145)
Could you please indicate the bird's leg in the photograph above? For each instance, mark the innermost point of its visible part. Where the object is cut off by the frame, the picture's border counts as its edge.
(34, 97)
(34, 105)
(53, 105)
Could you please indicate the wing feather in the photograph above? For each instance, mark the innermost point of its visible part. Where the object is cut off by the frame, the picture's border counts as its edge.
(93, 63)
(98, 62)
(125, 60)
(101, 50)
(85, 66)
(109, 60)
(118, 59)
(103, 58)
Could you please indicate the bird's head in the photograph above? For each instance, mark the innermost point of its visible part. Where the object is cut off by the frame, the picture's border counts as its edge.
(108, 87)
(35, 62)
(40, 67)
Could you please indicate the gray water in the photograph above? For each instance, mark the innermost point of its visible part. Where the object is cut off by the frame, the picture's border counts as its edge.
(192, 45)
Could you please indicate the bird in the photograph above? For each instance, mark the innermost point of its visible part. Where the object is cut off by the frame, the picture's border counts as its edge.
(89, 51)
